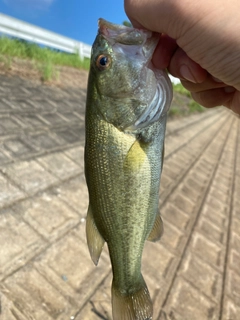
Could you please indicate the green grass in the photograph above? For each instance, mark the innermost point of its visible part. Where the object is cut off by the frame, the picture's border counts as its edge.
(48, 71)
(195, 107)
(6, 61)
(23, 49)
(175, 112)
(183, 104)
(180, 89)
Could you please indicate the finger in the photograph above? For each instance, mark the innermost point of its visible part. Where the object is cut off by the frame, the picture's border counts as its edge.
(164, 52)
(234, 102)
(181, 66)
(136, 24)
(207, 84)
(149, 15)
(214, 97)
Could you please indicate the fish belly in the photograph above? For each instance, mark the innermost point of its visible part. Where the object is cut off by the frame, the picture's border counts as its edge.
(123, 181)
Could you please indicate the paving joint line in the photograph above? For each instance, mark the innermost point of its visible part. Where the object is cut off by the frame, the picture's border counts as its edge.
(90, 296)
(43, 250)
(38, 192)
(230, 216)
(170, 190)
(194, 224)
(192, 138)
(197, 289)
(39, 154)
(199, 119)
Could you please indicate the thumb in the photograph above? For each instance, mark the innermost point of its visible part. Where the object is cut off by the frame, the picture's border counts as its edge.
(155, 15)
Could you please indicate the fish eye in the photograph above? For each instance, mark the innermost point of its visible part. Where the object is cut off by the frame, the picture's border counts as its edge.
(103, 61)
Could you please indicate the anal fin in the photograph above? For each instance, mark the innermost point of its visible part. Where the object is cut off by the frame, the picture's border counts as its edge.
(157, 230)
(94, 239)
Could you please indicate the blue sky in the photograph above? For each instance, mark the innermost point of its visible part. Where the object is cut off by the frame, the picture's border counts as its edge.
(75, 19)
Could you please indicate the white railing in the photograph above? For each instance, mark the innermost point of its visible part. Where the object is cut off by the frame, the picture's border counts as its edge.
(17, 28)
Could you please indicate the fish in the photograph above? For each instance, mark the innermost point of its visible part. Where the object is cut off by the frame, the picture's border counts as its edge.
(125, 120)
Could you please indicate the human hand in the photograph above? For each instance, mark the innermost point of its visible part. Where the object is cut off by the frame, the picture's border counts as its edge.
(199, 44)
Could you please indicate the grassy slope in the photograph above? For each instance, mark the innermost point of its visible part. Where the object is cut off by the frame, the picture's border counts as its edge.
(46, 58)
(182, 103)
(27, 50)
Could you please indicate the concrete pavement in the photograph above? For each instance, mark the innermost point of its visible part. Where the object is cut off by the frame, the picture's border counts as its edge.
(45, 268)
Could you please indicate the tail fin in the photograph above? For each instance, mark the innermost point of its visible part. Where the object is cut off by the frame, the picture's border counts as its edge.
(135, 306)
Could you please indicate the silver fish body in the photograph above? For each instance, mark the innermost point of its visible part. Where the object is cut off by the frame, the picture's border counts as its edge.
(126, 111)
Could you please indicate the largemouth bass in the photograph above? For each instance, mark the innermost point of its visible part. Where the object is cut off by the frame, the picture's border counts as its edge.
(126, 111)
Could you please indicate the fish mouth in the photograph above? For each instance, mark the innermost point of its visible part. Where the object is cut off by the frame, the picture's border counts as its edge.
(144, 40)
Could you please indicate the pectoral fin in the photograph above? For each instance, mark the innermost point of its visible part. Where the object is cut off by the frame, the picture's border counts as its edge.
(94, 239)
(157, 230)
(135, 157)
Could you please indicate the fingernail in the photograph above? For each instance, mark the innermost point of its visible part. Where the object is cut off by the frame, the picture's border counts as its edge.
(187, 74)
(229, 89)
